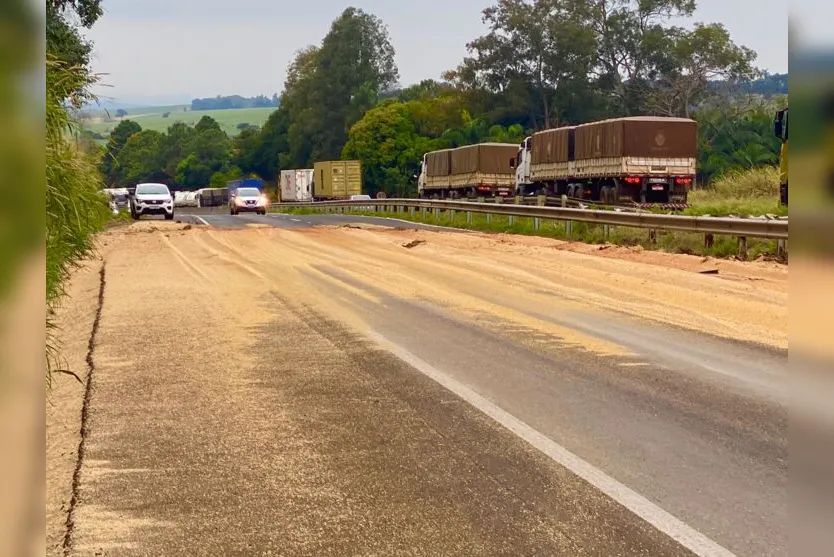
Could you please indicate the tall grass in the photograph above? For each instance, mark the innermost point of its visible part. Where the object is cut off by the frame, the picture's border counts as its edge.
(75, 207)
(753, 191)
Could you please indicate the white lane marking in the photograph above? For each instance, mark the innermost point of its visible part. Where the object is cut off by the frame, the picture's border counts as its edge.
(296, 220)
(673, 527)
(202, 220)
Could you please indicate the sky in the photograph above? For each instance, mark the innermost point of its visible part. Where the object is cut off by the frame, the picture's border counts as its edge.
(170, 51)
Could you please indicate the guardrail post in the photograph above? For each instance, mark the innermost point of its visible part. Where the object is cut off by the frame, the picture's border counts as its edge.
(423, 212)
(468, 217)
(452, 215)
(411, 212)
(564, 200)
(541, 201)
(482, 200)
(518, 200)
(436, 214)
(652, 236)
(782, 249)
(709, 240)
(606, 229)
(742, 247)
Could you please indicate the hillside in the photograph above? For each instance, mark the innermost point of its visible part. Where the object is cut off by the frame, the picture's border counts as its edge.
(160, 117)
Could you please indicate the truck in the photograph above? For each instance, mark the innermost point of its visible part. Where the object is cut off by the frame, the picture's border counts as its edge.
(780, 125)
(336, 180)
(644, 159)
(296, 185)
(483, 169)
(246, 182)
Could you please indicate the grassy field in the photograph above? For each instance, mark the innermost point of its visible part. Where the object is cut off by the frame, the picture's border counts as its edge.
(750, 192)
(153, 118)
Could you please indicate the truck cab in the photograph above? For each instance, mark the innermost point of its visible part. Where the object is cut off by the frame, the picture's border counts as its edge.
(421, 179)
(523, 183)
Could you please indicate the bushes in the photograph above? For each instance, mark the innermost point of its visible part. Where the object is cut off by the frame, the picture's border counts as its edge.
(75, 206)
(740, 192)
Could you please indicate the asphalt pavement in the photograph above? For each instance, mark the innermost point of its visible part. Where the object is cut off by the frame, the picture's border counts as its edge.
(307, 391)
(222, 219)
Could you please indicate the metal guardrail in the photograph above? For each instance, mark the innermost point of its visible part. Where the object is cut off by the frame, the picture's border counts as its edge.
(739, 227)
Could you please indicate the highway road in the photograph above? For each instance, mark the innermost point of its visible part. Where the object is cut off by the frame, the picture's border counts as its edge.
(223, 219)
(288, 384)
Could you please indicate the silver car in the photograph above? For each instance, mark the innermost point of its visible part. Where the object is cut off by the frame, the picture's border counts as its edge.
(248, 200)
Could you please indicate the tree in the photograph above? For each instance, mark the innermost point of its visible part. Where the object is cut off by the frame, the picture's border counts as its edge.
(109, 165)
(329, 88)
(139, 159)
(63, 39)
(391, 151)
(689, 61)
(534, 51)
(629, 34)
(121, 113)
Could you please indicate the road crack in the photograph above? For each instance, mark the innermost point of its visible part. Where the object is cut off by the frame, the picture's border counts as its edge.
(76, 476)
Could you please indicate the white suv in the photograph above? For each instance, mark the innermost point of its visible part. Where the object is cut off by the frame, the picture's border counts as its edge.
(152, 199)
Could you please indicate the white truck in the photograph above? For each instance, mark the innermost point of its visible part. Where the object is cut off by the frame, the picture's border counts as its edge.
(296, 185)
(641, 159)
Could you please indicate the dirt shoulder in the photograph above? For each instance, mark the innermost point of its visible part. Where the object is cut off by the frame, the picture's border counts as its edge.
(63, 405)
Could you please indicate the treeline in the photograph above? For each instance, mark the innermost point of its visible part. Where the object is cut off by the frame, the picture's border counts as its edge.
(234, 101)
(540, 64)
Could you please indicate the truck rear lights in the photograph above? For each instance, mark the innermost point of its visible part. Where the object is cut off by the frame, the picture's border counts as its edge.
(685, 181)
(632, 179)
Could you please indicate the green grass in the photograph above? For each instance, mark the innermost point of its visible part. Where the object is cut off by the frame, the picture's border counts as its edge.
(672, 242)
(751, 192)
(153, 118)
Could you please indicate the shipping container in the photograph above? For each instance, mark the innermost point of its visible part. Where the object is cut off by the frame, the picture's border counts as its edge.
(287, 186)
(336, 179)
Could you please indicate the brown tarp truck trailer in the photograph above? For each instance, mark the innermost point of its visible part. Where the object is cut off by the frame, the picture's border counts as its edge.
(438, 169)
(551, 153)
(638, 136)
(485, 167)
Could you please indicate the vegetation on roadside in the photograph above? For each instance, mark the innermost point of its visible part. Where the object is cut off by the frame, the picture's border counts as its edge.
(75, 206)
(750, 192)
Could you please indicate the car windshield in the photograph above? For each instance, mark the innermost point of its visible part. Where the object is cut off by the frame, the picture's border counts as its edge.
(151, 189)
(249, 192)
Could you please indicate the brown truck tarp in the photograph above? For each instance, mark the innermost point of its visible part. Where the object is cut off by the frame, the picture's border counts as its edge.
(488, 158)
(551, 146)
(638, 136)
(439, 163)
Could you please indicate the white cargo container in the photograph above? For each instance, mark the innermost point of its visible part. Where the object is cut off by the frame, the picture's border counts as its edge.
(295, 184)
(304, 184)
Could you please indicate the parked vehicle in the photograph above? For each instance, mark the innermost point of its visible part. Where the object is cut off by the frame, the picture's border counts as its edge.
(247, 200)
(152, 199)
(296, 185)
(642, 159)
(336, 180)
(485, 169)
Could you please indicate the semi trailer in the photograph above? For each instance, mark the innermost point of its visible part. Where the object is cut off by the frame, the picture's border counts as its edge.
(296, 185)
(644, 159)
(484, 169)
